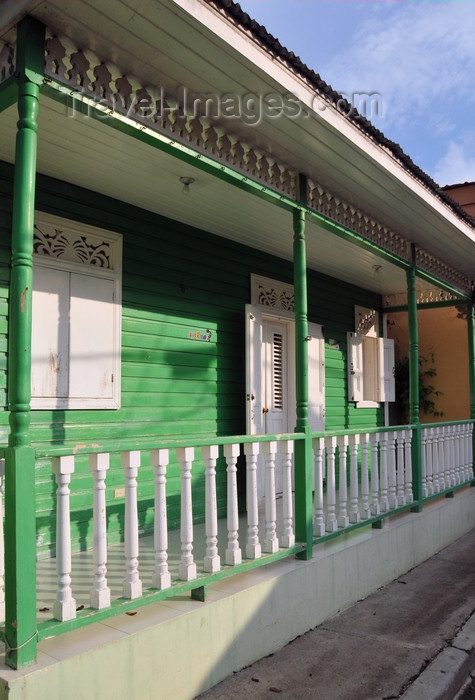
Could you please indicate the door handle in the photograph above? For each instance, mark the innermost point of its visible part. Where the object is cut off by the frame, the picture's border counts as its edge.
(265, 410)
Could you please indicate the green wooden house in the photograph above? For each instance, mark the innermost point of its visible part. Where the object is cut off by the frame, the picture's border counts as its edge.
(200, 241)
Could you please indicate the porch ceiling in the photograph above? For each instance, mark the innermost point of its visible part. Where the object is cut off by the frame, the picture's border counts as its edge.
(87, 153)
(163, 45)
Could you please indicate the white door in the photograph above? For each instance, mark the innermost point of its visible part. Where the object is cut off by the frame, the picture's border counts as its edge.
(278, 412)
(270, 378)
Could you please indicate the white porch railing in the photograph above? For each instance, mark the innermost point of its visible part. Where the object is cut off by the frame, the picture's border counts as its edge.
(447, 457)
(358, 477)
(273, 533)
(366, 474)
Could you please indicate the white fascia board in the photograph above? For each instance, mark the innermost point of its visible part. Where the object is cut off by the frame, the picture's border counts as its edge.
(242, 43)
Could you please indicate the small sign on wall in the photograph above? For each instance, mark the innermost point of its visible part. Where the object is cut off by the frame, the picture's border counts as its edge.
(201, 335)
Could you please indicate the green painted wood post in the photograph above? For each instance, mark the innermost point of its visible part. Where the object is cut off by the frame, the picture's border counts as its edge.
(303, 448)
(471, 368)
(20, 518)
(414, 387)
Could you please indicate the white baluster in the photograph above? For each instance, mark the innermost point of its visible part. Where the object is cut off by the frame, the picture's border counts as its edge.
(253, 547)
(100, 594)
(212, 560)
(424, 462)
(468, 452)
(464, 453)
(288, 537)
(354, 503)
(132, 587)
(408, 465)
(449, 473)
(471, 471)
(365, 510)
(318, 515)
(271, 542)
(383, 460)
(187, 568)
(161, 576)
(444, 460)
(233, 554)
(392, 471)
(401, 477)
(331, 521)
(343, 519)
(456, 451)
(2, 544)
(375, 507)
(64, 607)
(436, 452)
(430, 460)
(453, 455)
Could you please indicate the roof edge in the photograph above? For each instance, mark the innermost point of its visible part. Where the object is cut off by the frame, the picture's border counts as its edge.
(272, 45)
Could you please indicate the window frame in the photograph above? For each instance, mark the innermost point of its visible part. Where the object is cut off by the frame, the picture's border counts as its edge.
(360, 363)
(47, 255)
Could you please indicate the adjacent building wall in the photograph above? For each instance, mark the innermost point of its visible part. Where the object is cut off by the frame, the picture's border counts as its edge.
(443, 346)
(463, 194)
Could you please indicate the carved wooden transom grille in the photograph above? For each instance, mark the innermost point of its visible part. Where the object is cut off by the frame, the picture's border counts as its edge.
(272, 294)
(72, 246)
(366, 321)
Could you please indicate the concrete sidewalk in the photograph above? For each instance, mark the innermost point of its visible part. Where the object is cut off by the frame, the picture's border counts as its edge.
(414, 638)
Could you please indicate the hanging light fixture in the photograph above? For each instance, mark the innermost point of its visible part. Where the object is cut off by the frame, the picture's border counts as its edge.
(186, 182)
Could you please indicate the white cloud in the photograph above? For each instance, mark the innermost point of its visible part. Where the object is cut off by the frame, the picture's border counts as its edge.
(455, 166)
(418, 56)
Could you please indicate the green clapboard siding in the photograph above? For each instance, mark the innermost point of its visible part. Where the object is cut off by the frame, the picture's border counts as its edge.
(176, 280)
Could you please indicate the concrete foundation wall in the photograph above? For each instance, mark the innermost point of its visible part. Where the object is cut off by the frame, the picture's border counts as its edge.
(178, 648)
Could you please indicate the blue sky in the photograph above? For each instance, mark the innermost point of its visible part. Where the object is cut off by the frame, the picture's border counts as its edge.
(419, 56)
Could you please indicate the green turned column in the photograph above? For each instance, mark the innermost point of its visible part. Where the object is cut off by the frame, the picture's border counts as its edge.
(414, 387)
(471, 367)
(303, 448)
(20, 520)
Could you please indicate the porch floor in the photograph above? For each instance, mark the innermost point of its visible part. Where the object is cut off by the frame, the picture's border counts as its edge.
(82, 573)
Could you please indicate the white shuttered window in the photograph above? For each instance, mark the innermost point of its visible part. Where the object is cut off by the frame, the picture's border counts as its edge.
(370, 362)
(76, 317)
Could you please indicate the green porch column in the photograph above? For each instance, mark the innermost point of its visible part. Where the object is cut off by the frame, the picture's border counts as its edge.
(303, 448)
(414, 386)
(20, 518)
(471, 366)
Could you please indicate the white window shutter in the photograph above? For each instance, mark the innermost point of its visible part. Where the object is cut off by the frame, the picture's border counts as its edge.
(355, 366)
(253, 370)
(50, 333)
(316, 377)
(91, 351)
(386, 370)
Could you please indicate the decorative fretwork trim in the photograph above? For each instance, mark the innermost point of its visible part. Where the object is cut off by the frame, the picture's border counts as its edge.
(124, 94)
(7, 61)
(333, 207)
(272, 294)
(423, 296)
(366, 321)
(72, 246)
(112, 91)
(354, 219)
(440, 270)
